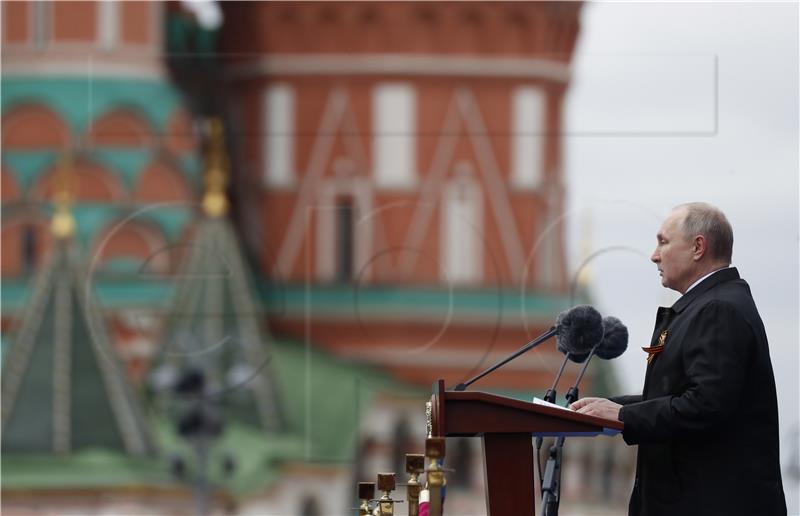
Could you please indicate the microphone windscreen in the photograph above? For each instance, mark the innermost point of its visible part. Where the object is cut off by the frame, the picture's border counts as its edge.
(615, 339)
(579, 358)
(578, 330)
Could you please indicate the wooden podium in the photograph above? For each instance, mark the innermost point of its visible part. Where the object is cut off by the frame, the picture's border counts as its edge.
(507, 426)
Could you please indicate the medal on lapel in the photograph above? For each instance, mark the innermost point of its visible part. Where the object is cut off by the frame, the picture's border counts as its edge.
(652, 351)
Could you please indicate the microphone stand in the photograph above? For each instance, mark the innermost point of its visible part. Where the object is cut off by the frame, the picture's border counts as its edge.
(530, 345)
(550, 397)
(551, 483)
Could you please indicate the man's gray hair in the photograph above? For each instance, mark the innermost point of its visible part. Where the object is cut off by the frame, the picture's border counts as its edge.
(703, 219)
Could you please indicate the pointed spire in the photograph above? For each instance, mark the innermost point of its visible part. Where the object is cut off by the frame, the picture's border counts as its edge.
(215, 324)
(63, 388)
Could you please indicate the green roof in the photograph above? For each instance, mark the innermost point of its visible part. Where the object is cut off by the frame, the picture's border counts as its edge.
(328, 397)
(326, 400)
(63, 389)
(90, 468)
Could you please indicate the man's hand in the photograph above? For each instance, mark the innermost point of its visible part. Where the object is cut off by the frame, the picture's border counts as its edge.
(599, 407)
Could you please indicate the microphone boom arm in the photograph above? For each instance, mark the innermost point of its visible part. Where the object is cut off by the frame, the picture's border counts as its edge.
(530, 345)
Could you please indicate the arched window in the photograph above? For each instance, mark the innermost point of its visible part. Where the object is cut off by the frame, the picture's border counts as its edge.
(121, 128)
(344, 238)
(34, 127)
(25, 242)
(89, 181)
(131, 248)
(342, 232)
(160, 182)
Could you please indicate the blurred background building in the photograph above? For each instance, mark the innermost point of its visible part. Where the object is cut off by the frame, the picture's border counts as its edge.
(248, 315)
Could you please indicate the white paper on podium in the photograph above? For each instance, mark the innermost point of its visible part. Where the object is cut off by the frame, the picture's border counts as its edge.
(539, 401)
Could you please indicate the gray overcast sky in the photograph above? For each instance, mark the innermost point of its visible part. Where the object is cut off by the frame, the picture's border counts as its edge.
(676, 102)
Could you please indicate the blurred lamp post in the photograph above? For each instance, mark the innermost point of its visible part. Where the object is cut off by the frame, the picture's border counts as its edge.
(200, 423)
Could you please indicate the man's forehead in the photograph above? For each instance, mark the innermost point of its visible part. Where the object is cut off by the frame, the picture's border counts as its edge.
(670, 223)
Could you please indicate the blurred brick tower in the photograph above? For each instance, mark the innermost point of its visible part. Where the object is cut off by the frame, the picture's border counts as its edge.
(398, 176)
(88, 78)
(403, 160)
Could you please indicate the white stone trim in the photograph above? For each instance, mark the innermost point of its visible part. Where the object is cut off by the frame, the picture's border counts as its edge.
(465, 110)
(394, 135)
(336, 115)
(528, 119)
(83, 65)
(461, 242)
(495, 185)
(39, 9)
(278, 144)
(108, 24)
(428, 198)
(320, 154)
(401, 64)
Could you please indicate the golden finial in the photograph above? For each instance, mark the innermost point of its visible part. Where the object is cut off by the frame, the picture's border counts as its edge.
(63, 223)
(215, 203)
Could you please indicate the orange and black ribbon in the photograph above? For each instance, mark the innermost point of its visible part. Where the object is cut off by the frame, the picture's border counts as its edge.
(652, 351)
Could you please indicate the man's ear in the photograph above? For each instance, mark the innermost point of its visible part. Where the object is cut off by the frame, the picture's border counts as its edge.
(699, 247)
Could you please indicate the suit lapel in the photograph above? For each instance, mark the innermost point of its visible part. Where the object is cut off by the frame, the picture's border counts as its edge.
(664, 316)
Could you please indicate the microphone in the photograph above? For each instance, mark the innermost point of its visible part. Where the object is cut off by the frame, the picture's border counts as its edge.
(577, 329)
(580, 329)
(614, 343)
(615, 339)
(580, 336)
(575, 347)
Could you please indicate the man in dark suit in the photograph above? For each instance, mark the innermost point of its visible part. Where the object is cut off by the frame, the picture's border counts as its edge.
(707, 420)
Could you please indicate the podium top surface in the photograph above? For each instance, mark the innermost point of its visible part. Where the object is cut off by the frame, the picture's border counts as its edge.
(463, 413)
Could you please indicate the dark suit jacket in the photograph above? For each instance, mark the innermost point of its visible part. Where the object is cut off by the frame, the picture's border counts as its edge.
(707, 420)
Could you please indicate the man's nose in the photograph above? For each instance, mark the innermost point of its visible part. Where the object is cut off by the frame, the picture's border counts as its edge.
(655, 257)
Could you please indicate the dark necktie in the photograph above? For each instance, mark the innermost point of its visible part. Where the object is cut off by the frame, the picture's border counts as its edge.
(663, 318)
